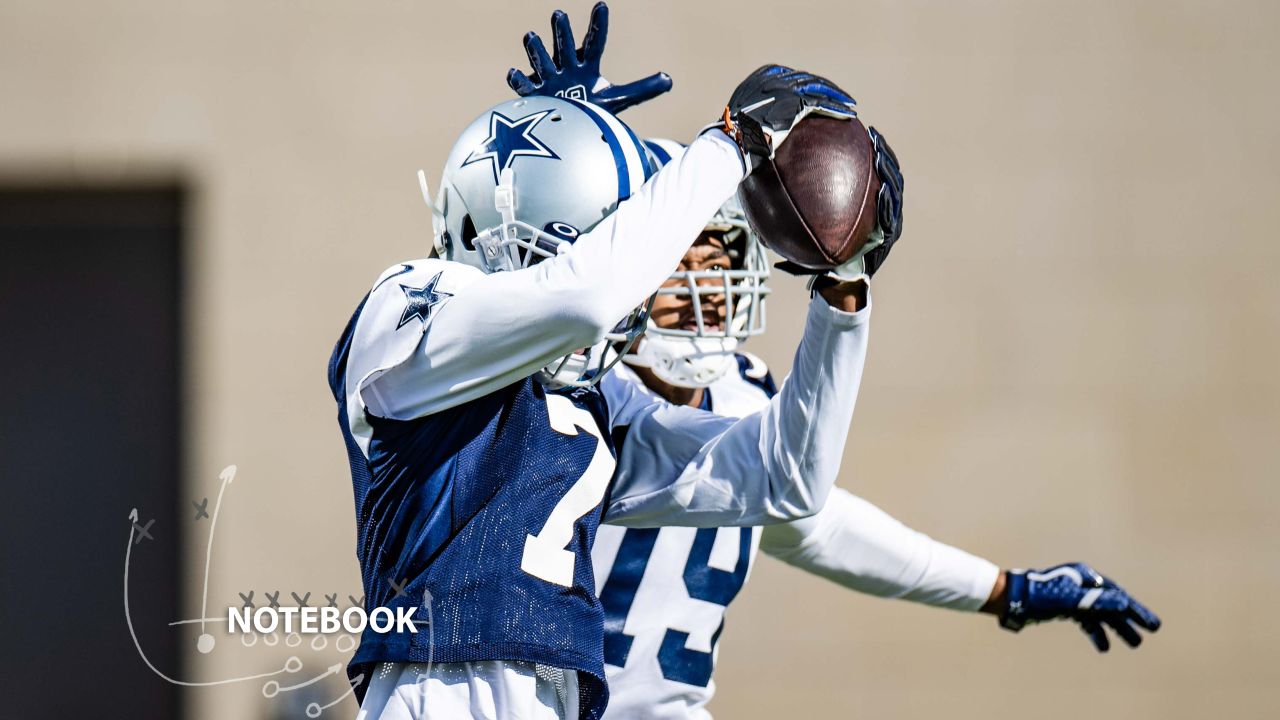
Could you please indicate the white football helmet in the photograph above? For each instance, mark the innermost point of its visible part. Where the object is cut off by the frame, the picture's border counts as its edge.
(522, 182)
(700, 356)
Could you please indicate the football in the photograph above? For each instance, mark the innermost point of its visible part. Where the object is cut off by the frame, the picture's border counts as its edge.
(814, 203)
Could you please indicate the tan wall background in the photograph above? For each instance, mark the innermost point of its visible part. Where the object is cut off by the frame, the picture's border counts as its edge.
(1074, 351)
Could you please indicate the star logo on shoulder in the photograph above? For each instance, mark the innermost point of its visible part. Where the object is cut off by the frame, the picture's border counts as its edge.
(419, 301)
(509, 139)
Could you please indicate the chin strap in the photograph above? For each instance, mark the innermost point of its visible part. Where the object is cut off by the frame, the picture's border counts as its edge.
(684, 362)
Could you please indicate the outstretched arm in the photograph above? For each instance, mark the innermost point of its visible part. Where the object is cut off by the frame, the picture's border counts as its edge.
(679, 466)
(1073, 591)
(856, 544)
(682, 466)
(502, 327)
(859, 546)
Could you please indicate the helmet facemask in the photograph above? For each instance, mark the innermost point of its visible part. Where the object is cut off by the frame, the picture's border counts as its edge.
(698, 356)
(743, 287)
(587, 366)
(575, 163)
(516, 245)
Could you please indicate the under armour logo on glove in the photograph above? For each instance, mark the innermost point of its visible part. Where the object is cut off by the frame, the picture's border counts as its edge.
(774, 99)
(1077, 592)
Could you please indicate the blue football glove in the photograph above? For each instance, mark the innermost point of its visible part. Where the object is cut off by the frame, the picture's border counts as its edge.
(771, 101)
(889, 203)
(575, 73)
(1078, 592)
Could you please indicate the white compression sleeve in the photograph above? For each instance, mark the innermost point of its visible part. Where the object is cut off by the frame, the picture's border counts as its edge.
(858, 545)
(683, 466)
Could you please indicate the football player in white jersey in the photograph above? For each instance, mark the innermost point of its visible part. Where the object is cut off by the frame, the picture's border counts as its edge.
(483, 453)
(665, 591)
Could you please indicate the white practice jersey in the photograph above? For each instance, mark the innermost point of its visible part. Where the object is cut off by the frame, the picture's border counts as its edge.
(665, 590)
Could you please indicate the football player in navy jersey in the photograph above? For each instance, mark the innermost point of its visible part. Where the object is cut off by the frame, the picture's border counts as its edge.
(483, 453)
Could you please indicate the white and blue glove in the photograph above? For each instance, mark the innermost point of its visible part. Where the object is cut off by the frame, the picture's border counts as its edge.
(888, 222)
(1078, 592)
(575, 72)
(774, 99)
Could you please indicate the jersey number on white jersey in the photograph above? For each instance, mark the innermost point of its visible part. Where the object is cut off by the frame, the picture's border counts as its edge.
(701, 581)
(545, 554)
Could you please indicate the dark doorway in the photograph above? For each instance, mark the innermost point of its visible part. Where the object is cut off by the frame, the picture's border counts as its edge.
(90, 344)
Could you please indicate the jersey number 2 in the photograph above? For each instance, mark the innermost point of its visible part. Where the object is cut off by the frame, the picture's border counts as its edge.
(546, 555)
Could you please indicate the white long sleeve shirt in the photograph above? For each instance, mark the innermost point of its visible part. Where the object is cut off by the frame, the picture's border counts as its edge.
(665, 591)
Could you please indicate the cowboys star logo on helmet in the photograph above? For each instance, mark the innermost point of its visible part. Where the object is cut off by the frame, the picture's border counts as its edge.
(522, 213)
(509, 139)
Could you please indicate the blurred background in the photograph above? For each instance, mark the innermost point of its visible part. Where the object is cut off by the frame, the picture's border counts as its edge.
(1074, 354)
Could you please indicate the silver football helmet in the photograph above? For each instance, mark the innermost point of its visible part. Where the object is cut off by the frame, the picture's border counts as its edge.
(698, 356)
(523, 182)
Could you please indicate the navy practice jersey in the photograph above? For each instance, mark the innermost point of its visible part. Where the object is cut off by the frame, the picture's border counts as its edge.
(478, 488)
(490, 507)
